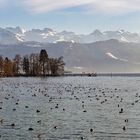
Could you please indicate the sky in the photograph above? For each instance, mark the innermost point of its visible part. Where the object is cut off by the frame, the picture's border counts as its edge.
(80, 16)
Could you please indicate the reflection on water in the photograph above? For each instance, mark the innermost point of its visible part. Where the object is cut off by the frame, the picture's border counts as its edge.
(70, 108)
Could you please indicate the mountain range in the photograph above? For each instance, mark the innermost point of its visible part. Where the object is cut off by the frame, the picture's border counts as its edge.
(13, 35)
(109, 51)
(102, 56)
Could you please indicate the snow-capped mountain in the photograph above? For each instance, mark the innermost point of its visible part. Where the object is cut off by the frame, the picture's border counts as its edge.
(109, 51)
(7, 37)
(16, 30)
(10, 35)
(45, 35)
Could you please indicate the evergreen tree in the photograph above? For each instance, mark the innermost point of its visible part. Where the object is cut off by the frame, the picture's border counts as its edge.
(43, 60)
(26, 65)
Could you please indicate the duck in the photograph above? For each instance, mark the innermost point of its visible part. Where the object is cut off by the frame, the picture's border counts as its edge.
(37, 111)
(91, 130)
(121, 110)
(30, 129)
(124, 128)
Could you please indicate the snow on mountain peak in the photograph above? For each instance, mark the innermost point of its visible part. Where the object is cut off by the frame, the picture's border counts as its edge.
(23, 30)
(121, 31)
(19, 38)
(18, 34)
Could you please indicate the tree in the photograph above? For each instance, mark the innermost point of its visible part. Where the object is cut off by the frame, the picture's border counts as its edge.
(17, 62)
(8, 67)
(1, 65)
(61, 65)
(26, 65)
(36, 65)
(43, 60)
(35, 68)
(56, 66)
(33, 65)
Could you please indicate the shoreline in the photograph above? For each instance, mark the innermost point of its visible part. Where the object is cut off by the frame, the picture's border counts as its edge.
(81, 75)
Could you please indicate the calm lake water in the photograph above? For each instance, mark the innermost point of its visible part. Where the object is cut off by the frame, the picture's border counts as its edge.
(70, 108)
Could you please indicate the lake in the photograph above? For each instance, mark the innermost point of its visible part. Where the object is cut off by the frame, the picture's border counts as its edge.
(70, 108)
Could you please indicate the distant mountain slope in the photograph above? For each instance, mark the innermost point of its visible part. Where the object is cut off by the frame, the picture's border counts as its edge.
(102, 56)
(12, 35)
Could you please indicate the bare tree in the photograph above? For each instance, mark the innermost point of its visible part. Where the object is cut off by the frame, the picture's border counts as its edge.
(56, 66)
(1, 65)
(17, 64)
(8, 67)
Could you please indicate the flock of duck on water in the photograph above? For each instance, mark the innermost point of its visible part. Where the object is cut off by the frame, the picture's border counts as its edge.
(102, 96)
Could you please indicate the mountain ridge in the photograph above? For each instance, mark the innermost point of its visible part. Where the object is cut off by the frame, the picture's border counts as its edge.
(13, 35)
(102, 56)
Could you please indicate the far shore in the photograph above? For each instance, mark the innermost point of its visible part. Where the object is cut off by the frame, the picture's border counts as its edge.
(105, 74)
(82, 75)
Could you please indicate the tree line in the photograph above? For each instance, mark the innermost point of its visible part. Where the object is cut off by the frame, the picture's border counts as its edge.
(31, 65)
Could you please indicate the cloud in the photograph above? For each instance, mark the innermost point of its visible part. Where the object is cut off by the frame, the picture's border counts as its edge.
(107, 6)
(116, 6)
(40, 6)
(103, 6)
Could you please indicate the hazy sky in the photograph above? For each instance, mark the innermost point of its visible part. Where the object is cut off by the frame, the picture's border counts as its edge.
(81, 16)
